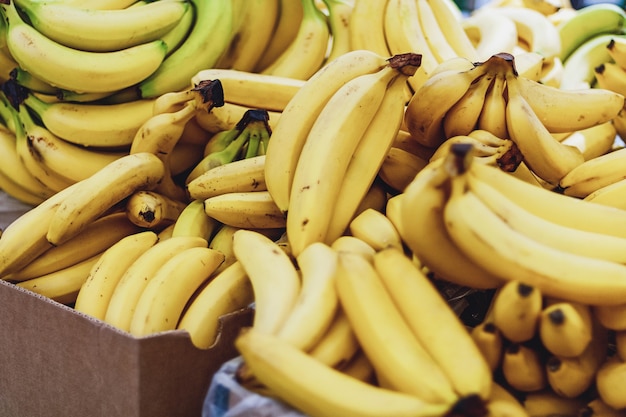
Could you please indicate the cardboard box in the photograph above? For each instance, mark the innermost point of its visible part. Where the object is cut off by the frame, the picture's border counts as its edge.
(56, 362)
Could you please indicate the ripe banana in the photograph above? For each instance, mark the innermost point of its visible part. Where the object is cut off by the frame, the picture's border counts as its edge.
(95, 293)
(593, 141)
(263, 91)
(130, 286)
(463, 116)
(152, 210)
(446, 339)
(95, 239)
(396, 354)
(285, 30)
(523, 368)
(488, 338)
(95, 195)
(366, 27)
(375, 229)
(577, 109)
(165, 296)
(103, 30)
(594, 174)
(280, 366)
(339, 14)
(317, 303)
(299, 115)
(222, 241)
(353, 244)
(275, 280)
(250, 210)
(338, 345)
(547, 402)
(242, 175)
(617, 50)
(611, 317)
(307, 50)
(516, 308)
(599, 408)
(63, 285)
(566, 328)
(578, 68)
(78, 70)
(193, 221)
(548, 158)
(492, 116)
(226, 292)
(93, 125)
(611, 375)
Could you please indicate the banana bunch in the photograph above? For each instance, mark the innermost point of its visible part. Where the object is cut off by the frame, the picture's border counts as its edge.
(331, 140)
(461, 97)
(340, 305)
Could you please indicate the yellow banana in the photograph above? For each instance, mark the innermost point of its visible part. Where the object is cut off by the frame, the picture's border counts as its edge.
(338, 345)
(611, 317)
(565, 328)
(593, 141)
(152, 210)
(339, 14)
(489, 340)
(353, 244)
(594, 174)
(493, 113)
(374, 228)
(523, 368)
(463, 116)
(248, 209)
(243, 175)
(193, 221)
(366, 27)
(610, 376)
(516, 309)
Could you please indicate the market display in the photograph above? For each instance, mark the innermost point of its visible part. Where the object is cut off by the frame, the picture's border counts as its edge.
(344, 169)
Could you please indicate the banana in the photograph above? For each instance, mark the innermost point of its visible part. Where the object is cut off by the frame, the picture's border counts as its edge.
(423, 230)
(547, 402)
(14, 169)
(367, 159)
(95, 293)
(375, 229)
(610, 76)
(95, 239)
(326, 152)
(65, 159)
(92, 125)
(427, 108)
(578, 68)
(184, 157)
(375, 198)
(193, 221)
(516, 309)
(588, 22)
(165, 296)
(446, 339)
(299, 115)
(95, 195)
(488, 338)
(609, 195)
(565, 328)
(77, 70)
(255, 27)
(492, 116)
(359, 367)
(250, 209)
(226, 292)
(554, 206)
(399, 168)
(499, 249)
(617, 50)
(339, 12)
(594, 174)
(385, 337)
(279, 366)
(270, 92)
(24, 239)
(584, 107)
(449, 18)
(523, 369)
(242, 175)
(593, 141)
(611, 317)
(222, 241)
(307, 50)
(103, 30)
(432, 28)
(503, 403)
(132, 284)
(611, 374)
(491, 33)
(570, 377)
(18, 192)
(620, 344)
(597, 245)
(404, 33)
(366, 27)
(353, 244)
(33, 84)
(463, 116)
(63, 285)
(317, 303)
(551, 73)
(548, 158)
(285, 30)
(152, 210)
(209, 37)
(227, 116)
(275, 280)
(338, 345)
(598, 408)
(534, 29)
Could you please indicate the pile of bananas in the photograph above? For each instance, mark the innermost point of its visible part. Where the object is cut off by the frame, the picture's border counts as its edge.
(218, 153)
